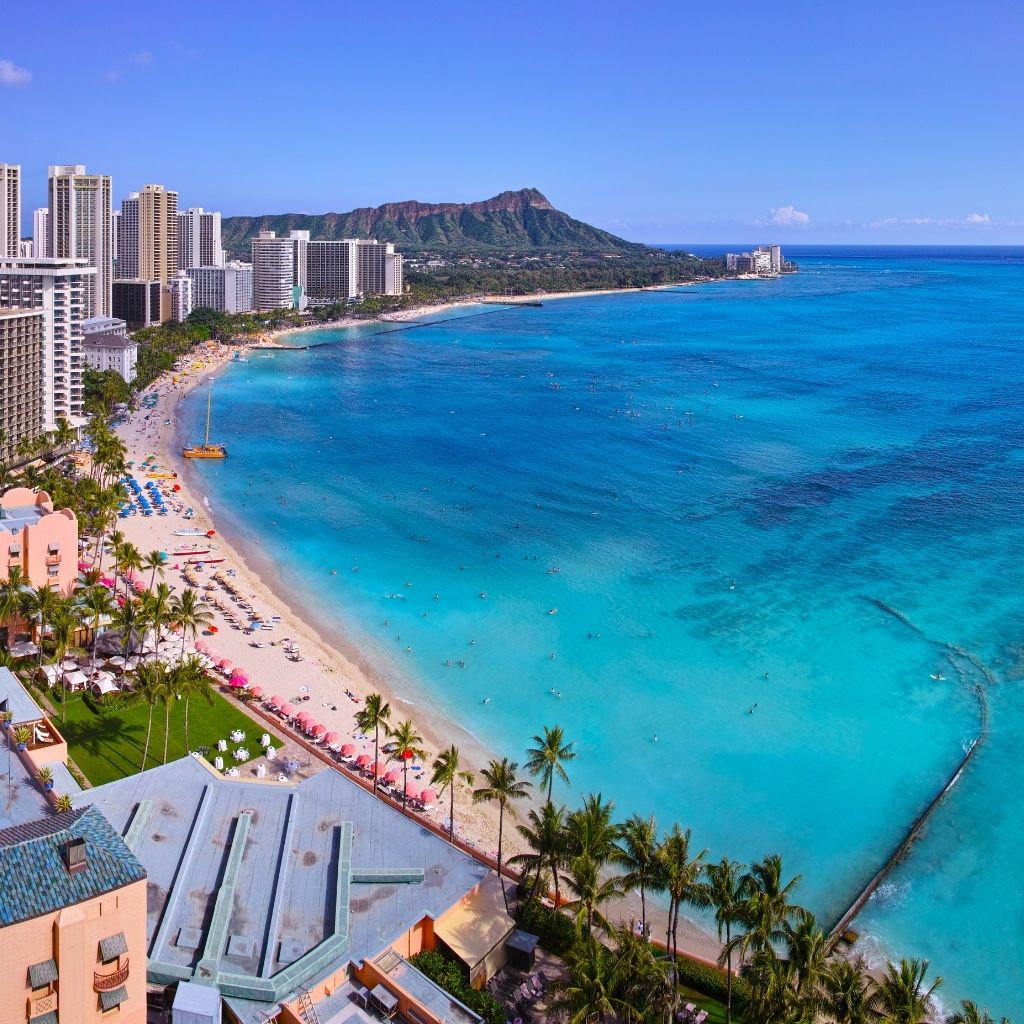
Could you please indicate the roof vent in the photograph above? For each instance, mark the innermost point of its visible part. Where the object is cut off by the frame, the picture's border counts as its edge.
(75, 856)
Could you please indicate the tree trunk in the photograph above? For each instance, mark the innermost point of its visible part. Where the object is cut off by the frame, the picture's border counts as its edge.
(376, 740)
(149, 732)
(643, 912)
(405, 780)
(451, 812)
(501, 827)
(728, 975)
(167, 725)
(187, 747)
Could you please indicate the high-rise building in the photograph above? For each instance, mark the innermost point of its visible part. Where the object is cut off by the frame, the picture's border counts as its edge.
(115, 235)
(21, 378)
(10, 209)
(137, 302)
(148, 239)
(393, 272)
(279, 270)
(379, 265)
(199, 243)
(332, 271)
(227, 288)
(79, 228)
(25, 249)
(60, 289)
(40, 233)
(179, 289)
(128, 238)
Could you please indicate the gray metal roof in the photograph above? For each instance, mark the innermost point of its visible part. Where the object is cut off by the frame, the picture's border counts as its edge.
(260, 888)
(14, 697)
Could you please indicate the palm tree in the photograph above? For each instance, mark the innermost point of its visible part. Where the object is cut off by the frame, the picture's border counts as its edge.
(807, 952)
(39, 604)
(129, 620)
(95, 605)
(63, 626)
(768, 904)
(190, 615)
(151, 686)
(770, 998)
(12, 591)
(407, 741)
(375, 713)
(545, 837)
(549, 756)
(157, 606)
(591, 830)
(848, 993)
(154, 562)
(448, 771)
(505, 787)
(902, 996)
(189, 679)
(589, 891)
(637, 852)
(681, 877)
(727, 890)
(594, 988)
(971, 1013)
(131, 561)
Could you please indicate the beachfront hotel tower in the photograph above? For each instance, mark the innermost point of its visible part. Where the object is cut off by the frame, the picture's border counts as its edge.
(199, 243)
(79, 228)
(147, 241)
(10, 209)
(279, 270)
(41, 232)
(21, 379)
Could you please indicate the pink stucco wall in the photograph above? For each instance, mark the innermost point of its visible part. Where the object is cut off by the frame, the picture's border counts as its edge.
(35, 559)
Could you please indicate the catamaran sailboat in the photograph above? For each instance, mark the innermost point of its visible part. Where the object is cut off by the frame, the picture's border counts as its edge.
(206, 450)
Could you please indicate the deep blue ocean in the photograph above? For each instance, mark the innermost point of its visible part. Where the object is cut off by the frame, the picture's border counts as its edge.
(768, 514)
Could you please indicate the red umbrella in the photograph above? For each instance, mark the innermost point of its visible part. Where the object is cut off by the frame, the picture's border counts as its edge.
(380, 768)
(213, 629)
(238, 670)
(224, 664)
(428, 796)
(391, 776)
(257, 692)
(411, 792)
(286, 710)
(363, 760)
(276, 701)
(406, 755)
(237, 682)
(303, 717)
(348, 750)
(318, 730)
(331, 739)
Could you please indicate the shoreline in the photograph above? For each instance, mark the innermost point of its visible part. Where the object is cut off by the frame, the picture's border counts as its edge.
(332, 662)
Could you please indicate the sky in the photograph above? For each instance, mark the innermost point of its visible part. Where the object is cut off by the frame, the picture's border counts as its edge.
(894, 122)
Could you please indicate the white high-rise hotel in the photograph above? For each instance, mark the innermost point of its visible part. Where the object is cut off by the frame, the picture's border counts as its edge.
(10, 209)
(79, 228)
(199, 242)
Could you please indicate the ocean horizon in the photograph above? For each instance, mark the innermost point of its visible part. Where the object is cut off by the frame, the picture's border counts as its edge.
(754, 545)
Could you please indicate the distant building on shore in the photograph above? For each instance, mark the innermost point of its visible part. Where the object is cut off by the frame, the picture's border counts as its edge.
(40, 231)
(22, 333)
(765, 259)
(179, 289)
(279, 270)
(137, 302)
(147, 242)
(112, 352)
(10, 209)
(38, 540)
(199, 243)
(227, 288)
(346, 269)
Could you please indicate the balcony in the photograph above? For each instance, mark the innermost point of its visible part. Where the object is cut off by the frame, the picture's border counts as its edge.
(42, 1004)
(108, 982)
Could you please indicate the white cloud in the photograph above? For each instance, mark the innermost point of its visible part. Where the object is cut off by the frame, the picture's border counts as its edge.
(789, 216)
(11, 74)
(143, 57)
(977, 218)
(972, 220)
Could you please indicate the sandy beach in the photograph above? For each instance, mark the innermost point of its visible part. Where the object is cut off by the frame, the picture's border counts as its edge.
(332, 679)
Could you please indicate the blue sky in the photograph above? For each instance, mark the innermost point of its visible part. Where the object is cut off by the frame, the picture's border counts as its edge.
(673, 122)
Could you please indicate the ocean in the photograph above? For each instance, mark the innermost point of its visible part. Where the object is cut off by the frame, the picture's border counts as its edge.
(727, 536)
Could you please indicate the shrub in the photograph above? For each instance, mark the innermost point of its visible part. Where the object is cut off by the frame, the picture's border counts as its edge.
(556, 932)
(111, 704)
(708, 979)
(449, 976)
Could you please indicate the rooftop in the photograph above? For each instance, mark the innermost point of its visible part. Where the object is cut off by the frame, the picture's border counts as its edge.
(34, 879)
(20, 507)
(108, 341)
(261, 888)
(14, 697)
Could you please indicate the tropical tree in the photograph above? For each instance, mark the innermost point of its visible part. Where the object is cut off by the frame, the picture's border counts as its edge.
(770, 998)
(591, 830)
(548, 757)
(189, 679)
(595, 988)
(848, 993)
(190, 615)
(130, 621)
(63, 628)
(589, 891)
(447, 770)
(63, 803)
(409, 745)
(374, 714)
(545, 837)
(151, 685)
(12, 595)
(727, 892)
(971, 1013)
(39, 604)
(768, 905)
(903, 992)
(808, 954)
(681, 877)
(130, 561)
(504, 787)
(94, 605)
(156, 604)
(153, 563)
(636, 852)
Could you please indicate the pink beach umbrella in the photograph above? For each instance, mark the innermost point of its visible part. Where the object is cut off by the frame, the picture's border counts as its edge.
(331, 739)
(347, 749)
(411, 792)
(303, 717)
(257, 693)
(200, 646)
(286, 710)
(317, 730)
(428, 797)
(391, 776)
(380, 768)
(276, 702)
(238, 671)
(363, 760)
(237, 682)
(224, 664)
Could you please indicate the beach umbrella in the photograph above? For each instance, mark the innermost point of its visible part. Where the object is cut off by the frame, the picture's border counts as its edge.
(257, 693)
(347, 750)
(237, 683)
(317, 730)
(286, 710)
(411, 792)
(276, 701)
(391, 776)
(239, 671)
(238, 679)
(224, 664)
(331, 739)
(380, 768)
(363, 760)
(428, 797)
(303, 716)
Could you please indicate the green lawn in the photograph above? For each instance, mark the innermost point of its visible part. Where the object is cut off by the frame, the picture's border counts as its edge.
(108, 747)
(716, 1010)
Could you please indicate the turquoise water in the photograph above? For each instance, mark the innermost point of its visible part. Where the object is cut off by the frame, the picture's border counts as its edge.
(731, 480)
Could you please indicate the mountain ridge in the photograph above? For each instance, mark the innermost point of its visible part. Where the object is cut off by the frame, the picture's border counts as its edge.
(512, 220)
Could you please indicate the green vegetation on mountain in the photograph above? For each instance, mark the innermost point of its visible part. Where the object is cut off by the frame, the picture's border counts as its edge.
(511, 221)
